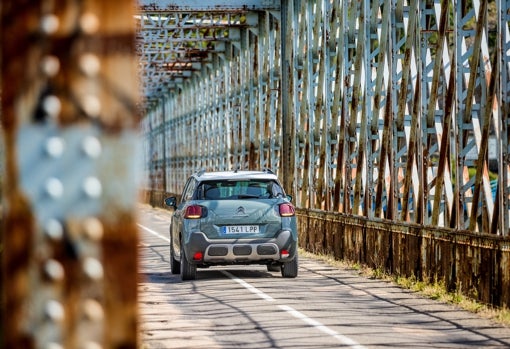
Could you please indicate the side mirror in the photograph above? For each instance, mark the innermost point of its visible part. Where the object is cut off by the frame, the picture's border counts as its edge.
(289, 197)
(171, 201)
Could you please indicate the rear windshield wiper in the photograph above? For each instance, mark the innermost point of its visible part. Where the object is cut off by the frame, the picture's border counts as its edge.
(247, 196)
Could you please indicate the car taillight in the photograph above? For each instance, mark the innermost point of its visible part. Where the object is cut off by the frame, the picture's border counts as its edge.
(287, 210)
(284, 253)
(193, 212)
(198, 256)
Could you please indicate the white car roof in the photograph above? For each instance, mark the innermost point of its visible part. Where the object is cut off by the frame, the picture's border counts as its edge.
(225, 175)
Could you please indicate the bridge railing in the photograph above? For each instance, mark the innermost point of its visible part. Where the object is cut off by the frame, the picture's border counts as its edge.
(471, 264)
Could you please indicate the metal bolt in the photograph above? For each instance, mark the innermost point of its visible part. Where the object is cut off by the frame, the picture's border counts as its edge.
(89, 23)
(53, 345)
(91, 146)
(91, 105)
(92, 187)
(52, 106)
(93, 310)
(93, 229)
(89, 64)
(49, 24)
(54, 311)
(54, 188)
(55, 147)
(54, 270)
(50, 66)
(54, 230)
(93, 268)
(91, 345)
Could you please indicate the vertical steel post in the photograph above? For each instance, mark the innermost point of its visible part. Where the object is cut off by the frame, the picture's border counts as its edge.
(69, 111)
(287, 71)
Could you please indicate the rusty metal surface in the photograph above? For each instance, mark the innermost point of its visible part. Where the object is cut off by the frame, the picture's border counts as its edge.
(69, 119)
(176, 43)
(474, 265)
(402, 115)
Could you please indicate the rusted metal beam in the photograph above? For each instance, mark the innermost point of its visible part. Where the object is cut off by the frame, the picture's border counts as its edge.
(468, 263)
(69, 115)
(210, 5)
(377, 127)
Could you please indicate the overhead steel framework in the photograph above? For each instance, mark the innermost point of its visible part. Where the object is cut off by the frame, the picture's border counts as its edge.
(391, 110)
(178, 38)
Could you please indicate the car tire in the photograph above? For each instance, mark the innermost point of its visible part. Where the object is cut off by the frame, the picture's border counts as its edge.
(290, 269)
(188, 271)
(175, 265)
(274, 267)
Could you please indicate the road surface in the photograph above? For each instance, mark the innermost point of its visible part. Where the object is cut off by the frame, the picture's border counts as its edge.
(324, 307)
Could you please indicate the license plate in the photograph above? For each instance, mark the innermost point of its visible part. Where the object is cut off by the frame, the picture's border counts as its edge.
(240, 229)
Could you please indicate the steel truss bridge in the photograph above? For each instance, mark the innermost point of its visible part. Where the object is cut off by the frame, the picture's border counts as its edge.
(387, 121)
(395, 109)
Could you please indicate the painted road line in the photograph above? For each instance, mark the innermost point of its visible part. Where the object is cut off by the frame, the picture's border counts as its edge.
(249, 287)
(321, 327)
(314, 323)
(154, 233)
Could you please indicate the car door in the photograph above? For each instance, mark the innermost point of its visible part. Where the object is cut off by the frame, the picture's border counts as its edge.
(177, 219)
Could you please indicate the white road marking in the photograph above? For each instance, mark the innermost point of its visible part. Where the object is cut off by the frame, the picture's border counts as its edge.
(154, 233)
(249, 287)
(321, 327)
(297, 314)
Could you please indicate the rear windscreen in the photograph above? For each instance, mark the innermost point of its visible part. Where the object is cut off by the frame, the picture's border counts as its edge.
(238, 189)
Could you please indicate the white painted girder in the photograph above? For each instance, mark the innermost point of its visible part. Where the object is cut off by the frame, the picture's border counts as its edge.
(368, 104)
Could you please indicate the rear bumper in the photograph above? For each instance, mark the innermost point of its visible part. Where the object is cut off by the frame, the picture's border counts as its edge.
(240, 251)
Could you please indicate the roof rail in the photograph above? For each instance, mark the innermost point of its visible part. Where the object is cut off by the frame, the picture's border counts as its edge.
(267, 170)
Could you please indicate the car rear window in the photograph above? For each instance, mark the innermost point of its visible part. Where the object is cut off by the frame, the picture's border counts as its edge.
(238, 189)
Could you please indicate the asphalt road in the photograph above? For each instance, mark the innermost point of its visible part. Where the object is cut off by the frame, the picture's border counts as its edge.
(324, 307)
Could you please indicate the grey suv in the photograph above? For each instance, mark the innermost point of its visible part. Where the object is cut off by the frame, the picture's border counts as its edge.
(239, 217)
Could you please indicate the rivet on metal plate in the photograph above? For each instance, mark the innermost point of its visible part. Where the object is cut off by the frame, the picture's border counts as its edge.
(54, 311)
(55, 147)
(54, 270)
(53, 230)
(89, 64)
(91, 345)
(89, 23)
(91, 106)
(92, 187)
(93, 229)
(52, 106)
(53, 345)
(54, 188)
(50, 66)
(49, 24)
(93, 268)
(93, 310)
(91, 146)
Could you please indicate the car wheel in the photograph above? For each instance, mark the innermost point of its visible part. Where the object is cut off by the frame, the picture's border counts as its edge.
(274, 267)
(188, 271)
(290, 269)
(175, 265)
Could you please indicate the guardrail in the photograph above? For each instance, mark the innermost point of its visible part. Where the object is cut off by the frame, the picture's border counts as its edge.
(477, 265)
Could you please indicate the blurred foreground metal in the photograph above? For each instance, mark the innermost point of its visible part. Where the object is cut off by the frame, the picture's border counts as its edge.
(69, 115)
